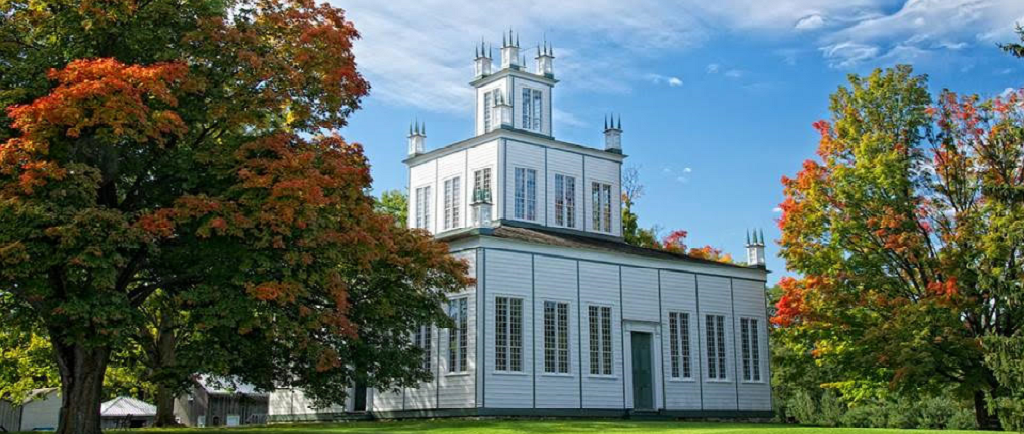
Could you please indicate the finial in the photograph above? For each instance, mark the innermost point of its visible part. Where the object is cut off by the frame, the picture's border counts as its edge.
(605, 122)
(517, 39)
(619, 127)
(538, 50)
(476, 52)
(490, 51)
(503, 43)
(410, 128)
(762, 237)
(748, 237)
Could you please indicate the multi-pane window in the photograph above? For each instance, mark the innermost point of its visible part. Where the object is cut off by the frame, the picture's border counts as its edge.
(556, 337)
(715, 325)
(452, 190)
(526, 194)
(423, 207)
(679, 337)
(508, 332)
(491, 117)
(565, 200)
(532, 109)
(601, 195)
(600, 340)
(422, 338)
(481, 187)
(749, 347)
(458, 339)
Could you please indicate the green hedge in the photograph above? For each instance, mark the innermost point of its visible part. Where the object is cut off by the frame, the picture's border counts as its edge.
(904, 413)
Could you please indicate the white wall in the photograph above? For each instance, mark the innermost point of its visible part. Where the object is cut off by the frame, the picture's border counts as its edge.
(599, 286)
(527, 156)
(555, 280)
(678, 295)
(750, 303)
(521, 83)
(508, 274)
(715, 298)
(605, 172)
(568, 164)
(293, 402)
(462, 163)
(42, 414)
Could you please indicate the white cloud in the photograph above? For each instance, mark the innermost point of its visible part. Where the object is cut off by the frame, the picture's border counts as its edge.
(687, 170)
(564, 118)
(682, 179)
(810, 22)
(418, 54)
(777, 209)
(672, 81)
(734, 73)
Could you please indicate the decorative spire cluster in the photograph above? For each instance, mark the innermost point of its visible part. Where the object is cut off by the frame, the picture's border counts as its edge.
(417, 128)
(758, 240)
(417, 137)
(613, 133)
(545, 50)
(610, 123)
(483, 52)
(508, 41)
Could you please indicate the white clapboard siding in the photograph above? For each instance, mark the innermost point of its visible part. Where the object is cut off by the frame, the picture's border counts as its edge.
(483, 156)
(714, 294)
(599, 286)
(426, 395)
(294, 402)
(458, 389)
(509, 275)
(750, 303)
(528, 156)
(497, 84)
(448, 167)
(640, 294)
(678, 295)
(566, 164)
(555, 280)
(516, 101)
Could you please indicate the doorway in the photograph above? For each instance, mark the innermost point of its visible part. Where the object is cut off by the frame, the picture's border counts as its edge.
(643, 378)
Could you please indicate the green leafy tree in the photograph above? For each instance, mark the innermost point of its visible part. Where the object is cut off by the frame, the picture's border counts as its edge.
(396, 204)
(908, 232)
(632, 233)
(1015, 49)
(189, 147)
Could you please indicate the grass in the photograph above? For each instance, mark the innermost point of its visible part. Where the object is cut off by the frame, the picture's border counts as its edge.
(542, 427)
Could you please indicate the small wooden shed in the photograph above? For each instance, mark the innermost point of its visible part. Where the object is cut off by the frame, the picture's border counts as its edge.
(221, 402)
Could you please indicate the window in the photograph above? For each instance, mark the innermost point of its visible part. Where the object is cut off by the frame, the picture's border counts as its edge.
(600, 340)
(491, 117)
(716, 346)
(532, 109)
(526, 194)
(556, 337)
(679, 337)
(565, 201)
(422, 338)
(423, 207)
(602, 198)
(749, 346)
(508, 332)
(457, 336)
(481, 187)
(451, 203)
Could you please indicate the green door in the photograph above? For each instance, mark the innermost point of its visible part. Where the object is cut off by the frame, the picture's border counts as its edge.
(643, 379)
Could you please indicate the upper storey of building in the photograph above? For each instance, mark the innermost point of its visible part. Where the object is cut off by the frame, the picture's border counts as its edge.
(513, 169)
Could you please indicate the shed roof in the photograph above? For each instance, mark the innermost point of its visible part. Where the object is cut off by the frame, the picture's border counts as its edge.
(125, 406)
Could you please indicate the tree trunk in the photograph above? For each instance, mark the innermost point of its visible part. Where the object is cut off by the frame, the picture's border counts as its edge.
(166, 359)
(82, 370)
(981, 415)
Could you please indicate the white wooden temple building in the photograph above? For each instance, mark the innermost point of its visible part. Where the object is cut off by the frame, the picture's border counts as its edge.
(565, 318)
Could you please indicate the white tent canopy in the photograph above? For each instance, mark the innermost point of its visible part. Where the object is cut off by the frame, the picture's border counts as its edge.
(124, 406)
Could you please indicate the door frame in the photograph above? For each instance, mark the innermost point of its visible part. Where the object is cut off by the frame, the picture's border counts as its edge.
(657, 362)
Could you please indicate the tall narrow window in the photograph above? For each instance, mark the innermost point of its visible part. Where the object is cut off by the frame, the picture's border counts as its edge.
(556, 337)
(452, 192)
(750, 350)
(601, 196)
(537, 106)
(422, 338)
(481, 186)
(488, 102)
(532, 109)
(679, 337)
(600, 340)
(565, 201)
(526, 194)
(423, 207)
(508, 332)
(457, 336)
(716, 346)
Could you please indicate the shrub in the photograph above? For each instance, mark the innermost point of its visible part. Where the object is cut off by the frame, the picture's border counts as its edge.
(864, 416)
(962, 419)
(934, 413)
(831, 409)
(803, 408)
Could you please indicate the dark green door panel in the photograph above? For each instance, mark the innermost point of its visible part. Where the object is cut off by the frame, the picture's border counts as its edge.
(643, 377)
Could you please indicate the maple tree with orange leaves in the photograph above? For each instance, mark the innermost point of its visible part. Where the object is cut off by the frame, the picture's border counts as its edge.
(188, 151)
(906, 230)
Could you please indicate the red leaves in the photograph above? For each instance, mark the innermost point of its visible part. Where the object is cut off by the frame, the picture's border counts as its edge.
(791, 305)
(675, 241)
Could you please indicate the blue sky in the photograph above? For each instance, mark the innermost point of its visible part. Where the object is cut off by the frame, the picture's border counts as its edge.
(716, 97)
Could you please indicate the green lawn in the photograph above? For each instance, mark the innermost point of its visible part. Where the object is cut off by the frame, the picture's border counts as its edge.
(541, 427)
